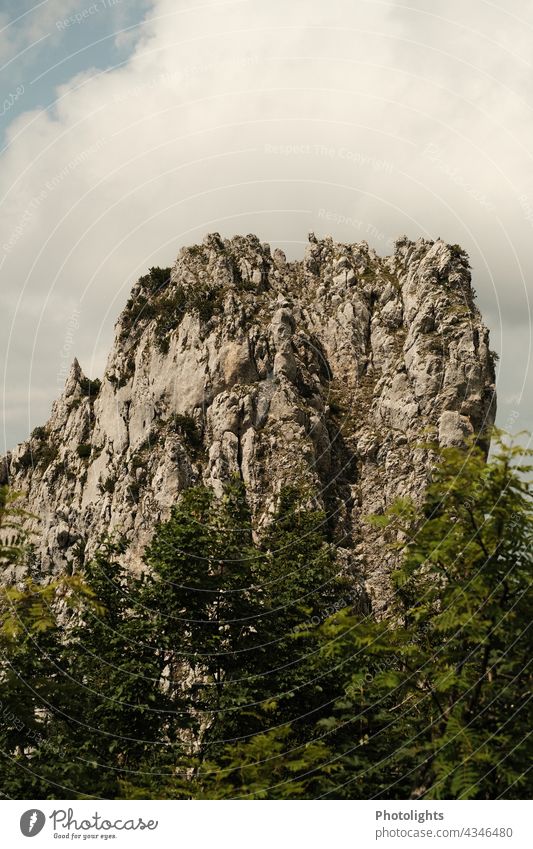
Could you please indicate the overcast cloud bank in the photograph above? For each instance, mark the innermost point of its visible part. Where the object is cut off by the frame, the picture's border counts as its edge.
(365, 120)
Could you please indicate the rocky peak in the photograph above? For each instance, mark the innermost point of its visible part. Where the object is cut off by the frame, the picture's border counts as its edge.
(329, 372)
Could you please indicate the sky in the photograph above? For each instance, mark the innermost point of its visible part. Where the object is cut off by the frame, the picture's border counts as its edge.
(129, 128)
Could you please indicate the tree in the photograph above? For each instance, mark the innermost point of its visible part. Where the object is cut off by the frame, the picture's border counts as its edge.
(111, 717)
(302, 586)
(30, 649)
(226, 606)
(14, 538)
(464, 593)
(82, 703)
(459, 669)
(201, 600)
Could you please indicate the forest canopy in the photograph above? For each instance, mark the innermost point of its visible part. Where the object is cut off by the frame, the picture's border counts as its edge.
(240, 665)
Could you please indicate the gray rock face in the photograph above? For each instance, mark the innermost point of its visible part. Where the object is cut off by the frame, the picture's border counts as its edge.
(331, 373)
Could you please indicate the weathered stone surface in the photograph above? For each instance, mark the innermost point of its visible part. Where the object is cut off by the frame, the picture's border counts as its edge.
(331, 372)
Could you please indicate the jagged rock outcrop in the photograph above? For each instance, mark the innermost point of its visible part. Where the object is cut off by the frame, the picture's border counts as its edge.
(330, 372)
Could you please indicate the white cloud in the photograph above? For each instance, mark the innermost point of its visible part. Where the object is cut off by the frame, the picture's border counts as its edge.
(366, 120)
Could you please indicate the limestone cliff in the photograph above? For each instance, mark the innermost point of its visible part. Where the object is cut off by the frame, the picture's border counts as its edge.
(330, 372)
